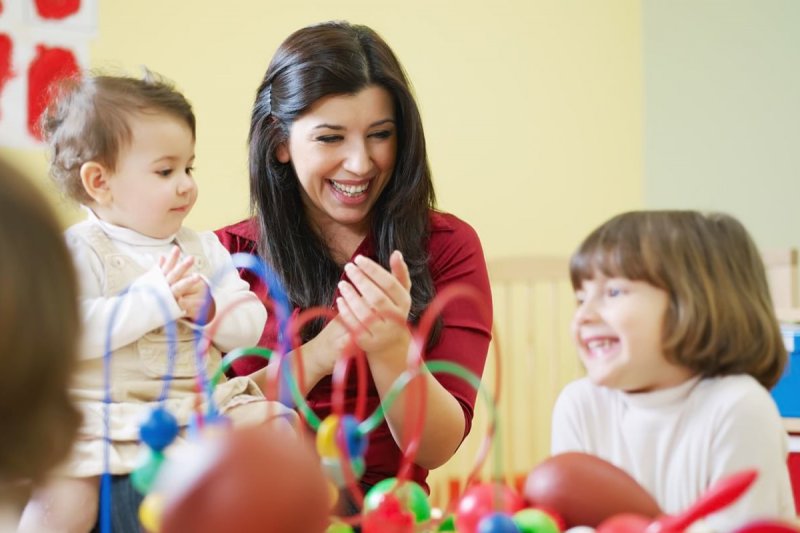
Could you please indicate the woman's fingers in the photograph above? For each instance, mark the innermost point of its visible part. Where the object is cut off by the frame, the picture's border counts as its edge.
(400, 269)
(358, 311)
(375, 302)
(381, 288)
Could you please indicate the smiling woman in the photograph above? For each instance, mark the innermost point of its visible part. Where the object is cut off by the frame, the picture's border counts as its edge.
(344, 212)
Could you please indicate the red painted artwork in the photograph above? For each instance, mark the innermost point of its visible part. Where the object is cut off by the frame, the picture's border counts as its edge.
(6, 45)
(57, 9)
(1, 7)
(49, 66)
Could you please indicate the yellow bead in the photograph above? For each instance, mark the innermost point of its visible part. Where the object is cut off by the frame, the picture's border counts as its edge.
(333, 492)
(326, 437)
(150, 512)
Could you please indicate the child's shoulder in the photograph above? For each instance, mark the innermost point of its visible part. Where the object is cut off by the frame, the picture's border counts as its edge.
(79, 233)
(208, 238)
(735, 387)
(738, 409)
(738, 392)
(84, 226)
(216, 253)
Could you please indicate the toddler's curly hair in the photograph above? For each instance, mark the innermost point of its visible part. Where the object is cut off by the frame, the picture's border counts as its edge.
(87, 120)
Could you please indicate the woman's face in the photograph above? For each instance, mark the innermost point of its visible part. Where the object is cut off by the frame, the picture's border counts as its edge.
(343, 150)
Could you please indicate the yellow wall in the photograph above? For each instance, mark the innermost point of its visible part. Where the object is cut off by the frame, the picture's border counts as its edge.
(532, 109)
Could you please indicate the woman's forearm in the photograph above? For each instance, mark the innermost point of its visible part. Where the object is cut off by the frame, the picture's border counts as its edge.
(267, 378)
(443, 425)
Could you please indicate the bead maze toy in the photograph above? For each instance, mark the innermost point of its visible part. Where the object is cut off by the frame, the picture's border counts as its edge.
(265, 479)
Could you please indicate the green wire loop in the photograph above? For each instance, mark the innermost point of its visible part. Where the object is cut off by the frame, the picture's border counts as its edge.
(377, 417)
(265, 353)
(434, 367)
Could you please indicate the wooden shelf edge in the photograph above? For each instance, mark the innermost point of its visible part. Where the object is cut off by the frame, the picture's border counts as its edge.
(787, 314)
(792, 425)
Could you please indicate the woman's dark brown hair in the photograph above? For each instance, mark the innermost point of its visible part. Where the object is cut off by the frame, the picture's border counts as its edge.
(39, 328)
(720, 318)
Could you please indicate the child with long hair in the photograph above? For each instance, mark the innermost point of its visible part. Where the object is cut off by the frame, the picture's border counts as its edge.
(676, 329)
(39, 330)
(124, 148)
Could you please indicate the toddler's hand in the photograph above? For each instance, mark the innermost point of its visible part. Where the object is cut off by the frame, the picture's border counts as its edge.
(173, 267)
(191, 293)
(189, 289)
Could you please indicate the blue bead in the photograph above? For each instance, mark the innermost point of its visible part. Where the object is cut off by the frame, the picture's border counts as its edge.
(356, 443)
(497, 523)
(159, 430)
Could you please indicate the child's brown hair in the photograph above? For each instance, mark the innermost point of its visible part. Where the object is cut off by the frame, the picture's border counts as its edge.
(720, 318)
(39, 329)
(87, 120)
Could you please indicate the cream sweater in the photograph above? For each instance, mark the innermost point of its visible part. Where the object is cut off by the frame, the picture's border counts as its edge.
(678, 442)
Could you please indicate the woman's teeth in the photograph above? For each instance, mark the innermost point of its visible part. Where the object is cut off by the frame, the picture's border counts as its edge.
(350, 190)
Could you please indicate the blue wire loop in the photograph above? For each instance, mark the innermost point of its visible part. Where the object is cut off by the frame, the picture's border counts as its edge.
(282, 311)
(171, 333)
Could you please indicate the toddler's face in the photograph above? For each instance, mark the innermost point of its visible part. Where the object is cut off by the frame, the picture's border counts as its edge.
(152, 189)
(618, 328)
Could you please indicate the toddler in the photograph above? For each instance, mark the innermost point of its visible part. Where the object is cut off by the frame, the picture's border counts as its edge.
(124, 148)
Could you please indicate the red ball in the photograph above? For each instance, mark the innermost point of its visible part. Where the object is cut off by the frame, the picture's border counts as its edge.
(261, 478)
(585, 490)
(624, 523)
(482, 500)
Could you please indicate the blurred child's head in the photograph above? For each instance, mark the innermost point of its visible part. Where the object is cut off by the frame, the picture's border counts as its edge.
(124, 147)
(38, 332)
(688, 287)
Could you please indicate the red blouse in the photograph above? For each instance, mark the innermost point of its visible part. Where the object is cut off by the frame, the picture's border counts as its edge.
(456, 257)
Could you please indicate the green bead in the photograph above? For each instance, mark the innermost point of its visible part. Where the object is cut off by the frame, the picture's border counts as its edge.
(144, 475)
(334, 470)
(339, 527)
(535, 521)
(410, 495)
(448, 524)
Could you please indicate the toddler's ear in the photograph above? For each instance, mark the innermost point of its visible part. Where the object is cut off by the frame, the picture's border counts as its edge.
(94, 177)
